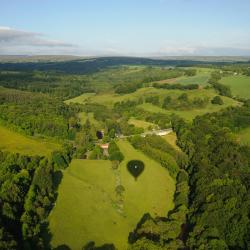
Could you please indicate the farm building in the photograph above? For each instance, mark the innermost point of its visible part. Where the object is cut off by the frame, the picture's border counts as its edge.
(105, 148)
(161, 132)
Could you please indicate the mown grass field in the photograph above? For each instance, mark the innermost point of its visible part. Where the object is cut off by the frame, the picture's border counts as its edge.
(15, 142)
(88, 208)
(240, 85)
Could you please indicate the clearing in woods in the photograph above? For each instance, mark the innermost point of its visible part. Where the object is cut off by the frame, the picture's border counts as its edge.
(240, 85)
(244, 136)
(91, 208)
(17, 143)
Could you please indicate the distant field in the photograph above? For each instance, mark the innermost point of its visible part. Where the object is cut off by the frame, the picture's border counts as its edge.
(14, 142)
(141, 124)
(200, 78)
(109, 99)
(80, 99)
(244, 136)
(192, 113)
(88, 209)
(240, 85)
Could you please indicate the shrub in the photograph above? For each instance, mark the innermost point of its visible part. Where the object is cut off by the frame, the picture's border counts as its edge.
(217, 100)
(116, 156)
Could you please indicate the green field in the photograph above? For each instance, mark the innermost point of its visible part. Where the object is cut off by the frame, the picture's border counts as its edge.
(240, 85)
(192, 113)
(14, 142)
(88, 208)
(171, 139)
(142, 124)
(244, 136)
(80, 99)
(110, 98)
(201, 78)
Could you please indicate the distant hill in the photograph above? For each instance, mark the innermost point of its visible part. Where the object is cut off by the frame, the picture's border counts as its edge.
(42, 58)
(80, 65)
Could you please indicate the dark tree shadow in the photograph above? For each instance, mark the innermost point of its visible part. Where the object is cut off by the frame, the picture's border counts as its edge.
(133, 236)
(46, 235)
(62, 247)
(57, 179)
(91, 246)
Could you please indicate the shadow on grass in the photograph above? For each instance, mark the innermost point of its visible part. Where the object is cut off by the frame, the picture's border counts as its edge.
(134, 236)
(62, 247)
(91, 246)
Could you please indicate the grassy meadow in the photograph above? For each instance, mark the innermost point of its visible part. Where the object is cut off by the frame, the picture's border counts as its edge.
(192, 113)
(240, 85)
(109, 99)
(201, 78)
(244, 136)
(15, 142)
(142, 124)
(93, 211)
(171, 139)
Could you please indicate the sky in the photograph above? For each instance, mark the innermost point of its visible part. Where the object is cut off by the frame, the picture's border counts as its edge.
(125, 27)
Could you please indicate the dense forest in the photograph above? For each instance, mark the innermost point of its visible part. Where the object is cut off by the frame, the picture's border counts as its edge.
(213, 203)
(35, 113)
(28, 190)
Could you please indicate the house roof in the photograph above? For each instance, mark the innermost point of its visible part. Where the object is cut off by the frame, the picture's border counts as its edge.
(104, 146)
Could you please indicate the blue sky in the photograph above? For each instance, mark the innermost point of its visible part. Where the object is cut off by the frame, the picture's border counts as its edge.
(125, 27)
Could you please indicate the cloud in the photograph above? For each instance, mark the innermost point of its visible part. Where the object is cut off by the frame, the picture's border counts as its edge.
(20, 42)
(14, 41)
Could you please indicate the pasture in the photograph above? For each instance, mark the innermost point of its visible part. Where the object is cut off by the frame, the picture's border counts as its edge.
(142, 124)
(240, 85)
(88, 207)
(171, 139)
(190, 114)
(244, 136)
(201, 78)
(17, 143)
(109, 99)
